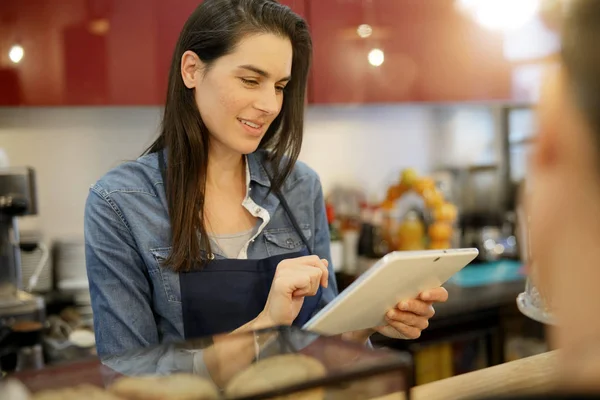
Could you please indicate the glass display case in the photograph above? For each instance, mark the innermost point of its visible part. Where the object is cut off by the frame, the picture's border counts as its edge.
(533, 302)
(277, 363)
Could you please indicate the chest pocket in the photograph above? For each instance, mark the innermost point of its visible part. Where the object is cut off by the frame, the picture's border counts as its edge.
(286, 240)
(165, 280)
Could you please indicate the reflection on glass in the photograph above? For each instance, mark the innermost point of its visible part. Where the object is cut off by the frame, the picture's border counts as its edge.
(530, 302)
(266, 364)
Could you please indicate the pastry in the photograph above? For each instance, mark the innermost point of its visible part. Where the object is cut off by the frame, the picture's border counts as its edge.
(172, 387)
(278, 372)
(87, 392)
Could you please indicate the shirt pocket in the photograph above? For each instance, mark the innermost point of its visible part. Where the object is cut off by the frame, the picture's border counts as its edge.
(286, 240)
(163, 276)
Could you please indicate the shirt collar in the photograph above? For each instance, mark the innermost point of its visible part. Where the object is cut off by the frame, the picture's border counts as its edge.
(255, 169)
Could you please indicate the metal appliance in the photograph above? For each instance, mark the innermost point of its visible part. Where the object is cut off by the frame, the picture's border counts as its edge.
(485, 203)
(21, 314)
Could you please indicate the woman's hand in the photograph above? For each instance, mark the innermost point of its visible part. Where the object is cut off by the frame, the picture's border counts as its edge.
(294, 279)
(409, 318)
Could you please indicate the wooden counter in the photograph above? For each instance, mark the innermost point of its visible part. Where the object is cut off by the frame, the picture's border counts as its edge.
(535, 374)
(529, 375)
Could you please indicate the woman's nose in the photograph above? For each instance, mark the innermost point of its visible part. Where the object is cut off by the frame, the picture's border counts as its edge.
(269, 101)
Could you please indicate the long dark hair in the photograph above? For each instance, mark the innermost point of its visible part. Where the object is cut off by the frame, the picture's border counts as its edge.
(580, 36)
(212, 31)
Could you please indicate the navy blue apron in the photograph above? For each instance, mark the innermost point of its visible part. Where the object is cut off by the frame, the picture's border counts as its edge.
(228, 293)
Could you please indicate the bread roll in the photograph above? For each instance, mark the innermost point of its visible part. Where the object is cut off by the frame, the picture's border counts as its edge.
(278, 372)
(172, 387)
(87, 392)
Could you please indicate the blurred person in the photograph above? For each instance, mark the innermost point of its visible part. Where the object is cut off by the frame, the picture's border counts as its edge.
(563, 202)
(217, 227)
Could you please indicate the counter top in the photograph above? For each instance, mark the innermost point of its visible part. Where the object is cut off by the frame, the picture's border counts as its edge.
(531, 375)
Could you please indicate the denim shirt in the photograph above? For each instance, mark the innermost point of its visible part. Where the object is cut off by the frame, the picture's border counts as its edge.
(137, 303)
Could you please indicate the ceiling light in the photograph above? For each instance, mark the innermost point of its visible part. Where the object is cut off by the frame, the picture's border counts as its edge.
(364, 31)
(376, 57)
(16, 54)
(505, 15)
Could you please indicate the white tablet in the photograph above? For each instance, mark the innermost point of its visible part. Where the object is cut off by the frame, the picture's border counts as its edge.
(397, 276)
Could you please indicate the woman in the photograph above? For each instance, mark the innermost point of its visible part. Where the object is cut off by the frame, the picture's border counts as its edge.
(217, 227)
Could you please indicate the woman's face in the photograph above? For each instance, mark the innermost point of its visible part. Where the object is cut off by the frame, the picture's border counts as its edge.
(241, 94)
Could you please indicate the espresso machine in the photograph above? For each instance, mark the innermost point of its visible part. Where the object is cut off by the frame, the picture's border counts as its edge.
(22, 315)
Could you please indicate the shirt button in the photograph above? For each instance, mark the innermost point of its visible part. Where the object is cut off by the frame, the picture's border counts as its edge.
(257, 210)
(290, 242)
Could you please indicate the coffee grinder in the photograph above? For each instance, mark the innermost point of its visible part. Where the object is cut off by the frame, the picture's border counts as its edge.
(22, 314)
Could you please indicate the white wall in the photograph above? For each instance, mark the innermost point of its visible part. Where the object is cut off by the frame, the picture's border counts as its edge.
(367, 146)
(467, 135)
(70, 148)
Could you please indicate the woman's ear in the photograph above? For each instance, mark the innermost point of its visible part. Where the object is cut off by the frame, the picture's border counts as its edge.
(191, 69)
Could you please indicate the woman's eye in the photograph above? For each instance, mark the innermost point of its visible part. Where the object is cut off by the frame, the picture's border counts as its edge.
(249, 82)
(279, 89)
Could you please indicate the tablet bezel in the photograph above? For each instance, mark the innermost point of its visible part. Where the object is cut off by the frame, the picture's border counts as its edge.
(456, 259)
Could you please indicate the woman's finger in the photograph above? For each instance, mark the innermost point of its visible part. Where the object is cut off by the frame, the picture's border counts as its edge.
(437, 295)
(409, 332)
(418, 307)
(322, 265)
(309, 279)
(408, 318)
(300, 284)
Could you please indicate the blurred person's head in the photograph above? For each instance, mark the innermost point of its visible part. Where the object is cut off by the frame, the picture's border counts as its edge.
(565, 182)
(237, 83)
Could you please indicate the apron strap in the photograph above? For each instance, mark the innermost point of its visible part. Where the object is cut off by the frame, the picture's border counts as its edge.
(162, 166)
(290, 215)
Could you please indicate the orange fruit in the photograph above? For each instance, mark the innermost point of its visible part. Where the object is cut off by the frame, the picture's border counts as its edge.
(433, 198)
(439, 245)
(422, 184)
(387, 204)
(445, 213)
(408, 177)
(402, 188)
(411, 246)
(394, 192)
(440, 231)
